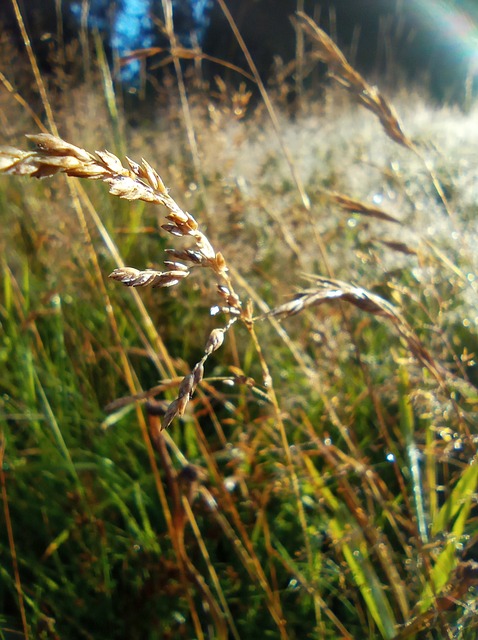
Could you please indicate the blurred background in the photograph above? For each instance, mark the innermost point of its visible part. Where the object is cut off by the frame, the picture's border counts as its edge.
(430, 42)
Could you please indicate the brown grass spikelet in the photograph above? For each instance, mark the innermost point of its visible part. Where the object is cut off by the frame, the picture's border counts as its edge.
(56, 146)
(134, 278)
(215, 340)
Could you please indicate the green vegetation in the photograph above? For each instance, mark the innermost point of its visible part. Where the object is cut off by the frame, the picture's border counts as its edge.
(322, 482)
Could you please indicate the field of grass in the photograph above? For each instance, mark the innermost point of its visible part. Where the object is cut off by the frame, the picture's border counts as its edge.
(318, 478)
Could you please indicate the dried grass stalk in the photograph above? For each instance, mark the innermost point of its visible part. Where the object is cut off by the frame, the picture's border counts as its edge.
(370, 97)
(328, 290)
(356, 206)
(138, 182)
(189, 383)
(401, 247)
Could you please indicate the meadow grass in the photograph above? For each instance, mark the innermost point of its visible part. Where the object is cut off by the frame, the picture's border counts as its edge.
(318, 474)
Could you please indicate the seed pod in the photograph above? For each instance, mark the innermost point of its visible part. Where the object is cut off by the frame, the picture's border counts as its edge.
(178, 217)
(186, 386)
(182, 404)
(170, 414)
(215, 340)
(198, 373)
(173, 230)
(175, 265)
(224, 291)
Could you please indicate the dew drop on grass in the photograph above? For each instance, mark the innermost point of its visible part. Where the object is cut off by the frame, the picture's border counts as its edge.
(293, 584)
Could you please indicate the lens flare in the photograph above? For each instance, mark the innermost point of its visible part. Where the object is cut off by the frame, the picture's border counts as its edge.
(457, 27)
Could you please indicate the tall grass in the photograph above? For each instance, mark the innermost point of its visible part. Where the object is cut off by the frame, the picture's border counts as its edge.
(317, 475)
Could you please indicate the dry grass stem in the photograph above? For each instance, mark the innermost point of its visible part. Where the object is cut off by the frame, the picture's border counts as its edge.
(328, 290)
(138, 182)
(189, 383)
(356, 206)
(401, 247)
(370, 97)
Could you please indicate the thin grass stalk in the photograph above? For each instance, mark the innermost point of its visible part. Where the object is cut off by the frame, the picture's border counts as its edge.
(180, 521)
(298, 355)
(59, 32)
(348, 529)
(110, 95)
(407, 424)
(270, 109)
(275, 123)
(168, 14)
(431, 465)
(174, 521)
(356, 556)
(203, 588)
(212, 571)
(56, 433)
(11, 539)
(375, 543)
(251, 563)
(84, 35)
(263, 523)
(246, 552)
(268, 383)
(168, 368)
(291, 566)
(384, 431)
(36, 70)
(22, 102)
(242, 544)
(299, 56)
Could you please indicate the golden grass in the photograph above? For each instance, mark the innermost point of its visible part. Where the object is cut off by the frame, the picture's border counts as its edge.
(363, 539)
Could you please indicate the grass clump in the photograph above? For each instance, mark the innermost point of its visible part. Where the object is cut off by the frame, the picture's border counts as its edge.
(301, 462)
